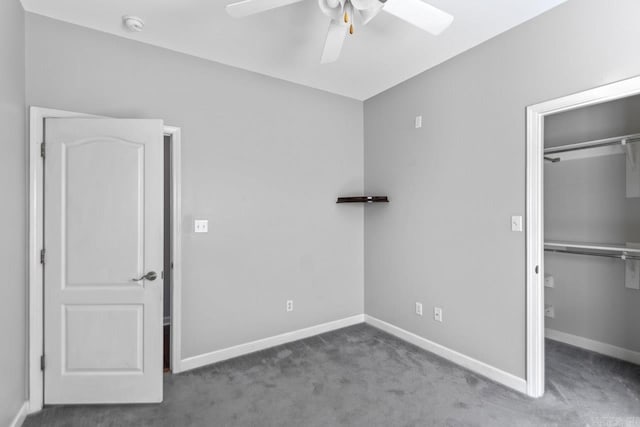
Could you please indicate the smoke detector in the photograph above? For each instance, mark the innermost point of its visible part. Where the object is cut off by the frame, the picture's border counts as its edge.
(133, 23)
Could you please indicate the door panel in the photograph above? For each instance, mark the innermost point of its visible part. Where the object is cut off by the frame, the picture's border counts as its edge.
(94, 195)
(111, 337)
(103, 229)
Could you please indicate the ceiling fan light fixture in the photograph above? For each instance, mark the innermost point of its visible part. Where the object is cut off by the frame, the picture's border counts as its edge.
(332, 9)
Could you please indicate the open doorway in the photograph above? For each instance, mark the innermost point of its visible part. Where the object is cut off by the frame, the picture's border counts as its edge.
(592, 251)
(583, 204)
(167, 261)
(172, 318)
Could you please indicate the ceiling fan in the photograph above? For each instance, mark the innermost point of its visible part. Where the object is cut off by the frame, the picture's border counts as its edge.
(343, 12)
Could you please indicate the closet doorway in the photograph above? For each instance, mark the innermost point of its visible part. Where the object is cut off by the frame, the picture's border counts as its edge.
(583, 230)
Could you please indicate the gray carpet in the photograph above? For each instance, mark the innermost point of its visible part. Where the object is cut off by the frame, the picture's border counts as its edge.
(360, 376)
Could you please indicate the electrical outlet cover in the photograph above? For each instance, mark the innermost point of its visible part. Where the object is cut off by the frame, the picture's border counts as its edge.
(549, 281)
(201, 226)
(549, 311)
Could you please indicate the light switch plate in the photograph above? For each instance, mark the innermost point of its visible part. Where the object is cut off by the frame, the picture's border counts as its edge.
(419, 308)
(418, 122)
(201, 226)
(516, 223)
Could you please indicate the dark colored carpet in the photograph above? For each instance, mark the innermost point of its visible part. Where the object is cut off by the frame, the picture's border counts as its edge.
(360, 376)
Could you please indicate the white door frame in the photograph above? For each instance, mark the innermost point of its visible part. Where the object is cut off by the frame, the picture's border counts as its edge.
(535, 214)
(35, 277)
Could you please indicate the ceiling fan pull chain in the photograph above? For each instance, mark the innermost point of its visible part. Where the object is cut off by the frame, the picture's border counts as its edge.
(348, 17)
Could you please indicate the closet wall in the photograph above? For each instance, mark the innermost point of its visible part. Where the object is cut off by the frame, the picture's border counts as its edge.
(585, 201)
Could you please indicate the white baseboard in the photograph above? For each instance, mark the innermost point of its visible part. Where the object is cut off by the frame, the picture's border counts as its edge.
(481, 368)
(493, 373)
(20, 416)
(596, 346)
(253, 346)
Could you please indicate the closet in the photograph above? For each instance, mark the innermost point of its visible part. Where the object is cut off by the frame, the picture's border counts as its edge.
(592, 228)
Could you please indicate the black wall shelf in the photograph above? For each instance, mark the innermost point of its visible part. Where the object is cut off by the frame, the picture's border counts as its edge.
(363, 199)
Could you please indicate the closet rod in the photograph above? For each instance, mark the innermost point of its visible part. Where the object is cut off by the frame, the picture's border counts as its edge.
(619, 140)
(575, 252)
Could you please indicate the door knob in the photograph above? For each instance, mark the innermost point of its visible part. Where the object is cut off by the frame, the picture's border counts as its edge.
(151, 276)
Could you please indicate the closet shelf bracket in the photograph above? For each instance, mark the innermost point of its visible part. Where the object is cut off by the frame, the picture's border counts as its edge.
(631, 153)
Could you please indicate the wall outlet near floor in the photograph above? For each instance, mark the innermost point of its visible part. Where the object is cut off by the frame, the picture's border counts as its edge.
(201, 226)
(549, 311)
(289, 305)
(437, 314)
(419, 308)
(549, 281)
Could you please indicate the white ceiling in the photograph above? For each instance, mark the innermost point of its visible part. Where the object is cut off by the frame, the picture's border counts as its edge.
(287, 43)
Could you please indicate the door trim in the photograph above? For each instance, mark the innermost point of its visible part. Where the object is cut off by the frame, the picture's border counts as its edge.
(35, 244)
(175, 134)
(535, 114)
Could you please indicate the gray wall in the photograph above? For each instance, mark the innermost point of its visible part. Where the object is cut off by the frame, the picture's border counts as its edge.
(262, 159)
(585, 201)
(13, 329)
(445, 237)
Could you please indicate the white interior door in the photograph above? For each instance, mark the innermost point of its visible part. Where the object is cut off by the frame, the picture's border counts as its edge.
(103, 228)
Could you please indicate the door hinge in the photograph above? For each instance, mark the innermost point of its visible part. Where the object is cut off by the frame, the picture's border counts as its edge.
(42, 362)
(42, 150)
(537, 269)
(42, 256)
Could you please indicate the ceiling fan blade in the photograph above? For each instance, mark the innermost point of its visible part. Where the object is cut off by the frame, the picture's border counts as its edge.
(365, 4)
(368, 14)
(418, 13)
(251, 7)
(335, 39)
